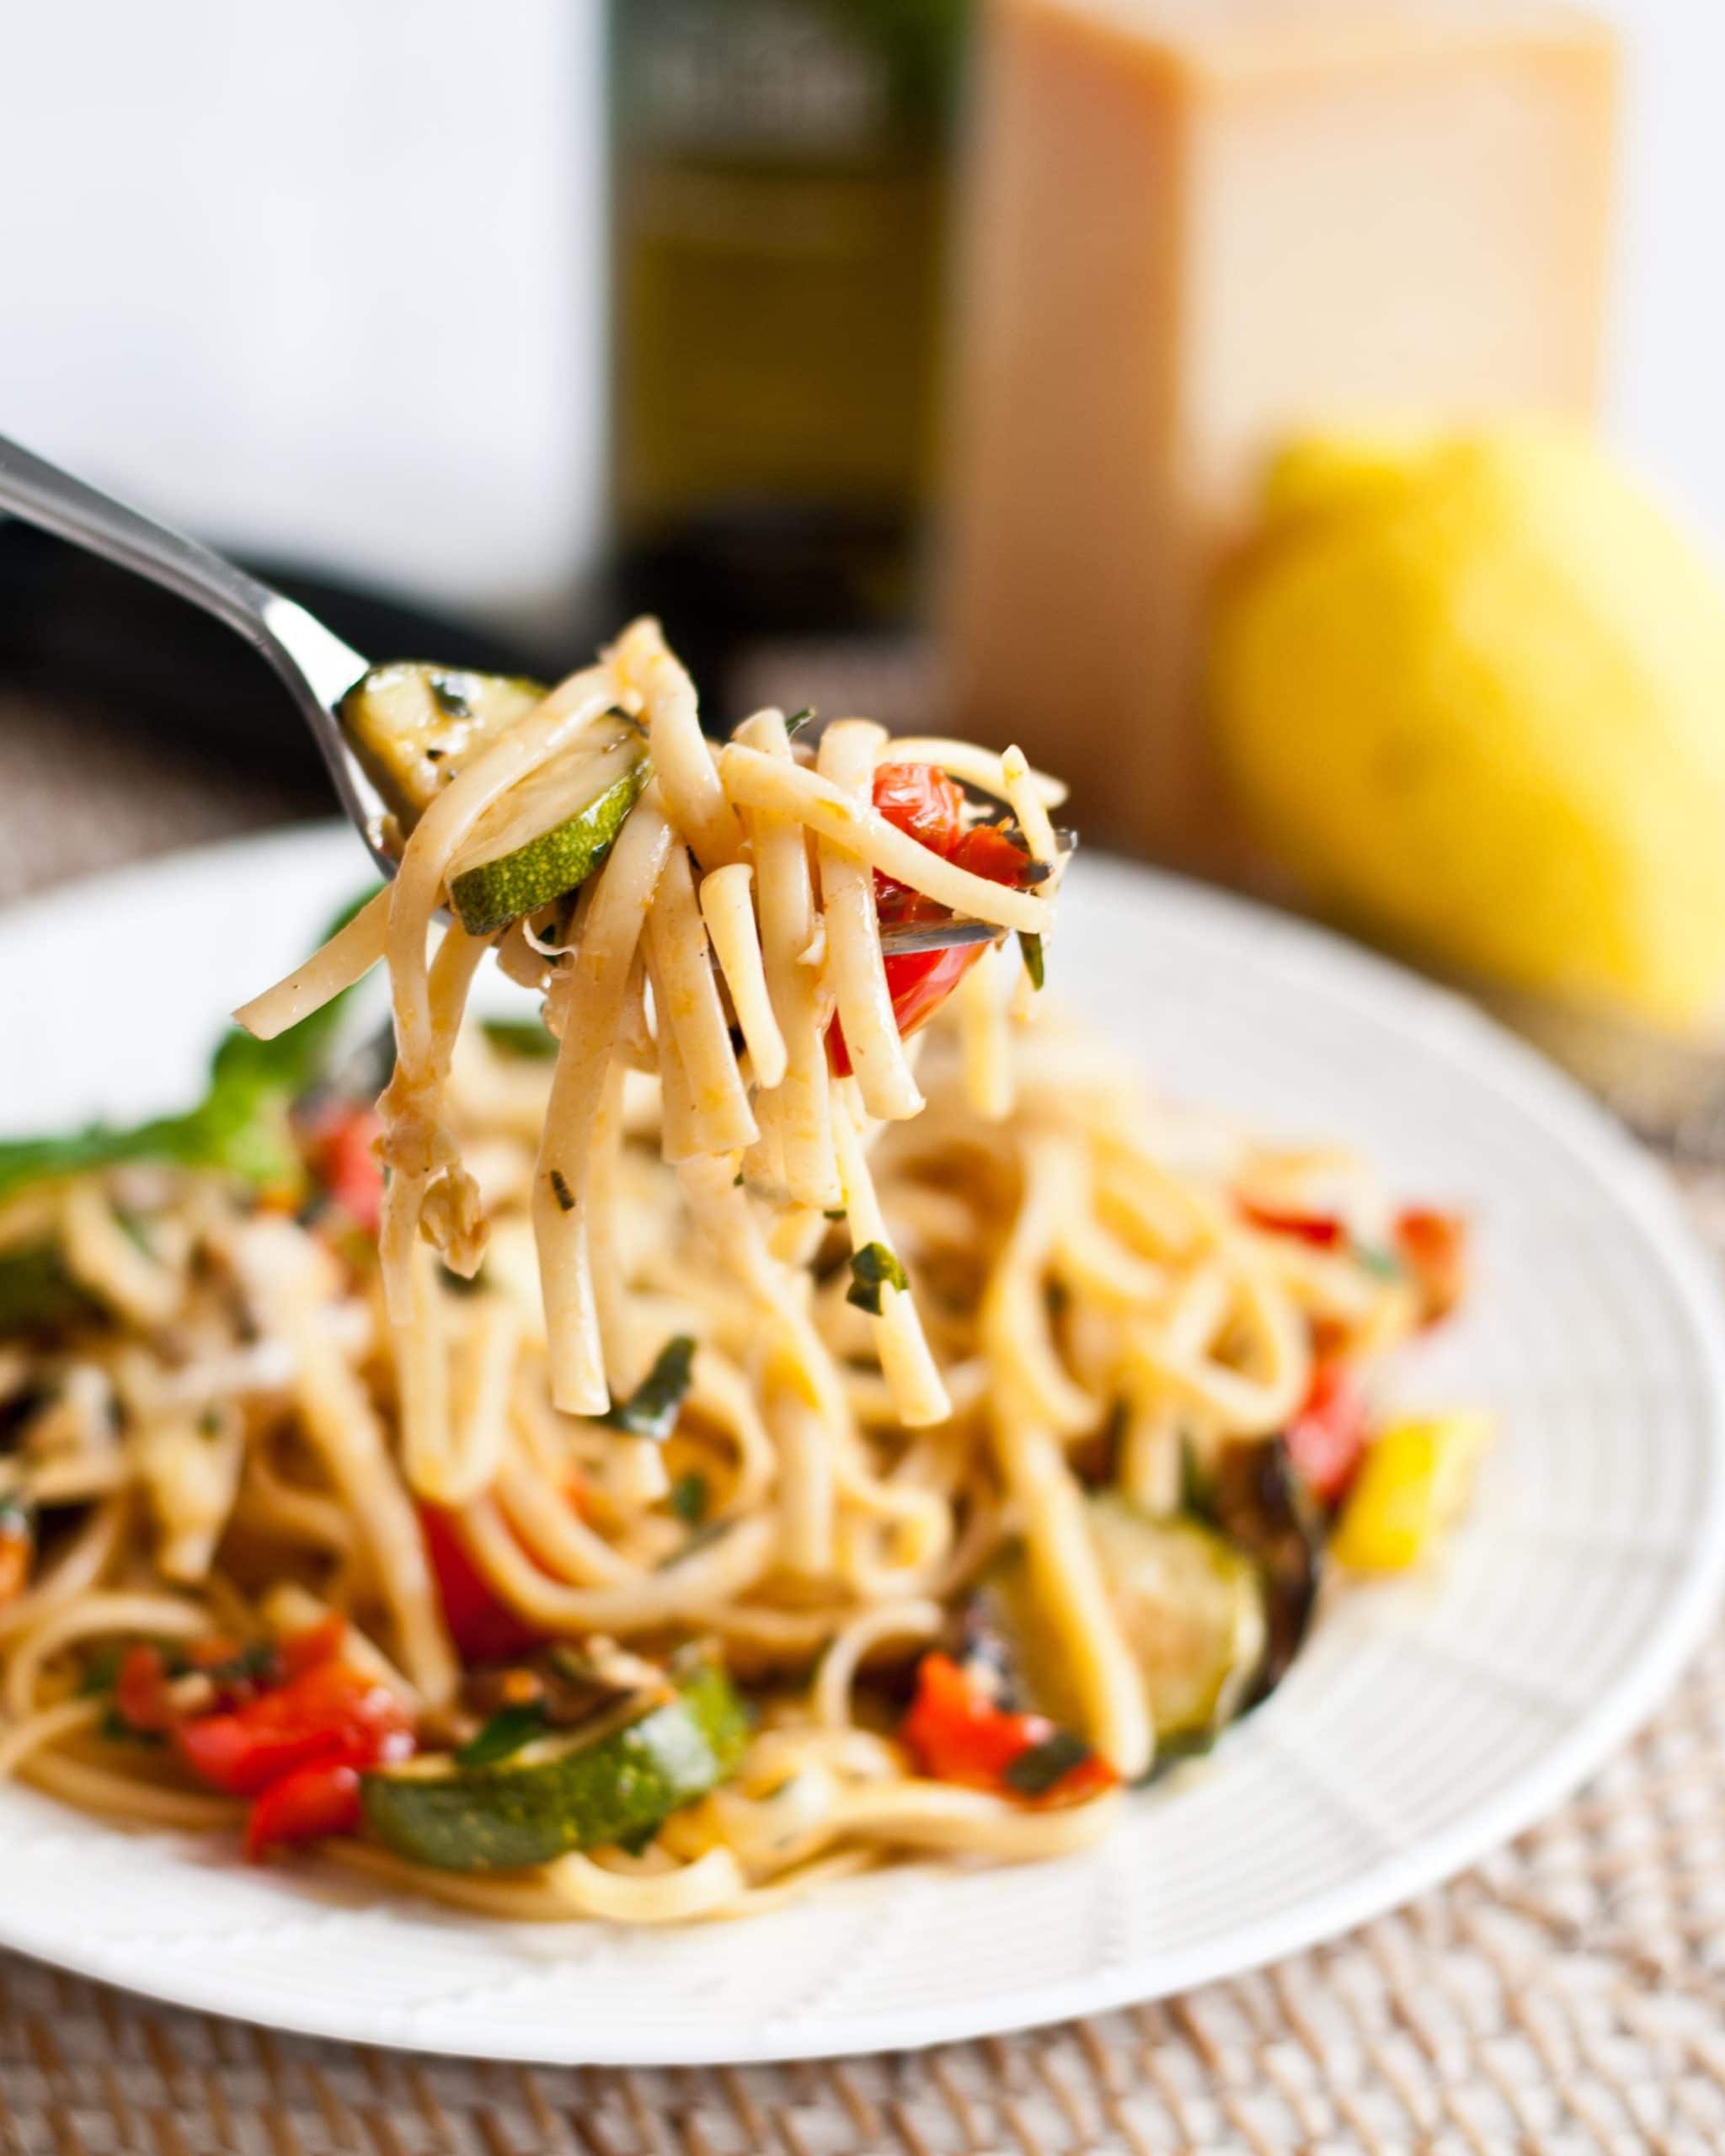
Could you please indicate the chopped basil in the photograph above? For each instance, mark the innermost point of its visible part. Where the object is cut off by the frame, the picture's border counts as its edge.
(508, 1730)
(1034, 1772)
(835, 1213)
(114, 1728)
(102, 1671)
(1030, 948)
(449, 695)
(798, 719)
(688, 1498)
(703, 1538)
(523, 1037)
(561, 1192)
(571, 1666)
(1375, 1259)
(873, 1267)
(651, 1409)
(258, 1662)
(18, 1516)
(1196, 1481)
(211, 1423)
(1175, 1748)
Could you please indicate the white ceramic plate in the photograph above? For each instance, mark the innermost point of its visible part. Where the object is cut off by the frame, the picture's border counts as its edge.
(1424, 1723)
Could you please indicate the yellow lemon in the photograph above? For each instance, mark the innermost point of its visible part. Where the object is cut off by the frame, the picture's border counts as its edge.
(1473, 692)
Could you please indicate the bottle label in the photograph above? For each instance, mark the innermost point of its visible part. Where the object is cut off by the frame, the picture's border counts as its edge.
(820, 80)
(764, 75)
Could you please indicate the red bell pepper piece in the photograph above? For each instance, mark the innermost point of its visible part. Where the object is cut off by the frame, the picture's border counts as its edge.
(956, 1733)
(322, 1798)
(212, 1651)
(17, 1547)
(484, 1628)
(1433, 1247)
(1321, 1230)
(330, 1713)
(339, 1141)
(141, 1697)
(1326, 1440)
(292, 1733)
(323, 1641)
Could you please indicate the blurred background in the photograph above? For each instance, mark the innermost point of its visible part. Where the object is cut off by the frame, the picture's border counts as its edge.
(1295, 421)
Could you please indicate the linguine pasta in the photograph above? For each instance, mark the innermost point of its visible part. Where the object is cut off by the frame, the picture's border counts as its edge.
(974, 1420)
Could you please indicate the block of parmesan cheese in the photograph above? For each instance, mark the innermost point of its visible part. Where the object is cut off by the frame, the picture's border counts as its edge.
(1193, 225)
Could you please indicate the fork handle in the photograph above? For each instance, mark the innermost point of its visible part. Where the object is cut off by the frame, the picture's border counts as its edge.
(315, 665)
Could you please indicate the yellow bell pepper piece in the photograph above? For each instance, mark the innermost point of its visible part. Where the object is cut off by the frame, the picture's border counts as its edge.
(1411, 1486)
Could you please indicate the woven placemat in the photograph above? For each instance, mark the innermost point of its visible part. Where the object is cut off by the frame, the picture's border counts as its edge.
(1567, 1997)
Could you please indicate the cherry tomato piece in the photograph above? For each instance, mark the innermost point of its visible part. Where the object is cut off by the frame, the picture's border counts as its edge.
(1433, 1247)
(927, 805)
(141, 1696)
(484, 1628)
(328, 1713)
(1326, 1440)
(922, 802)
(918, 982)
(957, 1733)
(319, 1642)
(322, 1798)
(988, 852)
(16, 1551)
(339, 1144)
(1321, 1230)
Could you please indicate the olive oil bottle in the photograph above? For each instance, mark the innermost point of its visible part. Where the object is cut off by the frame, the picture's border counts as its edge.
(779, 172)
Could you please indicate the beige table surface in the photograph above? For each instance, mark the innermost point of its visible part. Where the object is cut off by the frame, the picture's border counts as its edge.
(1567, 1996)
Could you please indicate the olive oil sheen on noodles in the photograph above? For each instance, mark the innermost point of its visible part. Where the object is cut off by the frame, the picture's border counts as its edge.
(779, 196)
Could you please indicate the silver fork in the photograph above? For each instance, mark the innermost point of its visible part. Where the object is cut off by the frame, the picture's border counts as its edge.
(317, 666)
(314, 663)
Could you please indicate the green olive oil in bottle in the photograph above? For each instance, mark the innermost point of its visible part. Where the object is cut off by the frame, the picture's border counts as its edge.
(779, 177)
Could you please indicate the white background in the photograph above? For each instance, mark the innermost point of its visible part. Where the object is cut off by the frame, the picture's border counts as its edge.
(326, 279)
(1667, 400)
(322, 277)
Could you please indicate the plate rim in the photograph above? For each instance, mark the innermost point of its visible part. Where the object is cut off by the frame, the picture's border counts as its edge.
(1687, 1271)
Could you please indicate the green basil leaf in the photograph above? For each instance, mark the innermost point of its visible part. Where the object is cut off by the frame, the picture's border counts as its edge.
(873, 1267)
(651, 1410)
(1035, 1771)
(688, 1499)
(520, 1036)
(240, 1126)
(508, 1730)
